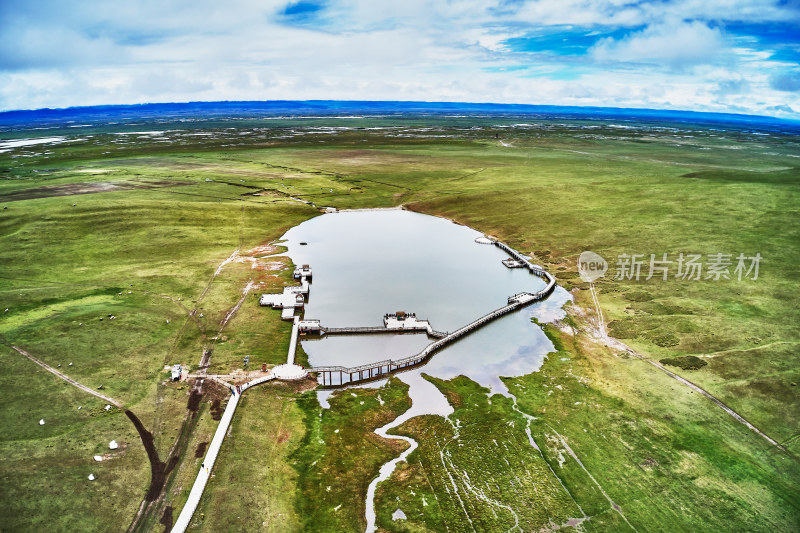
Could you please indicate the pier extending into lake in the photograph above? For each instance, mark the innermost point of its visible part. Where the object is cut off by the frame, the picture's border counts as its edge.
(380, 369)
(399, 322)
(378, 330)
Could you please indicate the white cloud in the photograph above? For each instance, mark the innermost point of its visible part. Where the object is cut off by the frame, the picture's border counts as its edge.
(676, 44)
(97, 52)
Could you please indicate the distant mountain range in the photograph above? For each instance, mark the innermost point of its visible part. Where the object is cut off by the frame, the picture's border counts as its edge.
(125, 113)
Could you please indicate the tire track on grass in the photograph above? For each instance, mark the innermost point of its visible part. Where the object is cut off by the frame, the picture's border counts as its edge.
(614, 343)
(158, 468)
(66, 378)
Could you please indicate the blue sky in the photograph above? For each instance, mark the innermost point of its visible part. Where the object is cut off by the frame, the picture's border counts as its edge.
(740, 56)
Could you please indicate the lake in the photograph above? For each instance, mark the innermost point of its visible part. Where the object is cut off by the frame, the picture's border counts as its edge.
(369, 263)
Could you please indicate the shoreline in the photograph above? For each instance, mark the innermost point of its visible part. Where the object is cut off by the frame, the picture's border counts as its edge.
(400, 207)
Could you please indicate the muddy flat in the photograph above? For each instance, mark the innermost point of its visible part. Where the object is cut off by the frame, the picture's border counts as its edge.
(47, 191)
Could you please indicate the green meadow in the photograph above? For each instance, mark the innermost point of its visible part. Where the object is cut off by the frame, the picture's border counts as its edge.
(136, 229)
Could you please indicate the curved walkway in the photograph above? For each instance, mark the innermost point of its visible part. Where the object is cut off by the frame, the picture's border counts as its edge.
(293, 371)
(205, 470)
(380, 369)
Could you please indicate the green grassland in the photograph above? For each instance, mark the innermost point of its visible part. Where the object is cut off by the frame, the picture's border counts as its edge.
(248, 489)
(146, 251)
(147, 260)
(652, 445)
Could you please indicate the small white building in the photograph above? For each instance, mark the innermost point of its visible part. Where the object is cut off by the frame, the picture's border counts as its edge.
(405, 321)
(309, 326)
(177, 370)
(513, 263)
(291, 297)
(303, 271)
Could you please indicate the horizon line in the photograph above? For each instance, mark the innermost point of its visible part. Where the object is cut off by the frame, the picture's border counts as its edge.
(464, 105)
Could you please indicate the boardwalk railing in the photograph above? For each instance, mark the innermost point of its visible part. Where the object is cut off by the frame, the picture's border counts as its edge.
(381, 368)
(376, 370)
(381, 329)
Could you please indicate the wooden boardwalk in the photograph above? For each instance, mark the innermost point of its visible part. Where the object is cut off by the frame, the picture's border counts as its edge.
(381, 369)
(210, 458)
(205, 469)
(354, 374)
(378, 330)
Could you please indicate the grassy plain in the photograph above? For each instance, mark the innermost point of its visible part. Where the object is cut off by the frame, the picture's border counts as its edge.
(147, 249)
(249, 486)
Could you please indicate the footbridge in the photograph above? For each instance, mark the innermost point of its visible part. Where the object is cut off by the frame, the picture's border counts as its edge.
(380, 369)
(378, 330)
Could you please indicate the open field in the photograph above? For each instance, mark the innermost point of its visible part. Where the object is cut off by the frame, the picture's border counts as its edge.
(255, 466)
(136, 227)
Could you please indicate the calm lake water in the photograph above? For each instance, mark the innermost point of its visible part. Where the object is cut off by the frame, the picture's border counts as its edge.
(368, 263)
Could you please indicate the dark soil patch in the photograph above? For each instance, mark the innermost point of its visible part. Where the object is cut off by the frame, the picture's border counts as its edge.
(687, 362)
(71, 189)
(215, 391)
(301, 385)
(194, 400)
(157, 467)
(201, 450)
(166, 519)
(160, 470)
(216, 410)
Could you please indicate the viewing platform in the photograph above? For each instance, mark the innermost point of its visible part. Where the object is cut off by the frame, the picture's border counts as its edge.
(405, 321)
(292, 297)
(399, 322)
(513, 263)
(303, 271)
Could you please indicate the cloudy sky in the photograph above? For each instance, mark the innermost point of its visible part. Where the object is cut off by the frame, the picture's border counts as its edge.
(740, 56)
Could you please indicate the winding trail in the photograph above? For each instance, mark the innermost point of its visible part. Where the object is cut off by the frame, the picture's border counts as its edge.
(734, 350)
(614, 343)
(572, 454)
(158, 468)
(153, 502)
(66, 378)
(535, 446)
(236, 307)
